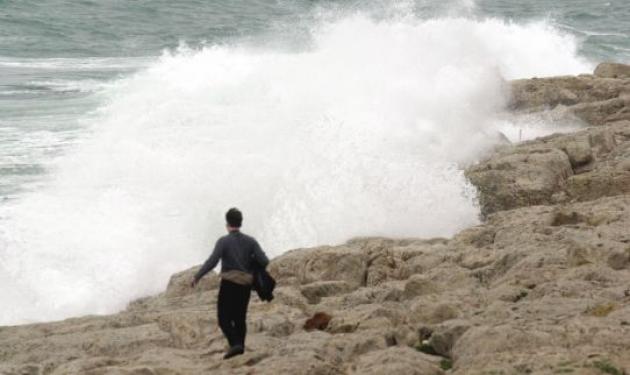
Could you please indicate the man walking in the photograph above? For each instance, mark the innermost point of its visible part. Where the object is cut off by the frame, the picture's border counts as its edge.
(239, 254)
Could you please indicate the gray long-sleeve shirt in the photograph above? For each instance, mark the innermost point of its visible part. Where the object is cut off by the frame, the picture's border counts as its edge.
(237, 251)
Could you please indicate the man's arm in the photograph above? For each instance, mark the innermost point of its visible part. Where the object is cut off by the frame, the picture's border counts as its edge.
(210, 263)
(259, 255)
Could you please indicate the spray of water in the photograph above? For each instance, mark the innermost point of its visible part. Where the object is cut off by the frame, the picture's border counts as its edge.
(362, 133)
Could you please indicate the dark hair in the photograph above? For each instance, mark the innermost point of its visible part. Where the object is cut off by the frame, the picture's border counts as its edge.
(234, 217)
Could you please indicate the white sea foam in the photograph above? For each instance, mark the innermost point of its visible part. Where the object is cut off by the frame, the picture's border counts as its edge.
(79, 64)
(85, 85)
(360, 134)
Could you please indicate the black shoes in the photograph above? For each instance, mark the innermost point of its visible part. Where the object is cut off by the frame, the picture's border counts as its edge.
(234, 351)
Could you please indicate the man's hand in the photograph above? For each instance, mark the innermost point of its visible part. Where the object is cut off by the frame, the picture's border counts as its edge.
(193, 282)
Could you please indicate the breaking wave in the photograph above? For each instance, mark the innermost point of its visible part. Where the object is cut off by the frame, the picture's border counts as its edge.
(362, 132)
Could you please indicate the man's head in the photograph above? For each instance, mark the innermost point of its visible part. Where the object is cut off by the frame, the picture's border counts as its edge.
(234, 218)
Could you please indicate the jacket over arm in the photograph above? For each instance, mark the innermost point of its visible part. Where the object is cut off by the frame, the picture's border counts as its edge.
(259, 255)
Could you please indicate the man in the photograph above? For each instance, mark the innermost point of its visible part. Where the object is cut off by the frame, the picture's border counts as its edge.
(238, 253)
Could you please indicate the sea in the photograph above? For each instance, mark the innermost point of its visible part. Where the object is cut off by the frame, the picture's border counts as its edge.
(129, 127)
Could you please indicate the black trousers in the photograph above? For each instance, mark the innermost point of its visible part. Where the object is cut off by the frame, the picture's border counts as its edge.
(232, 311)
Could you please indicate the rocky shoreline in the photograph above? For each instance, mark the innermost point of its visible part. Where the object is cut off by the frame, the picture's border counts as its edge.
(541, 286)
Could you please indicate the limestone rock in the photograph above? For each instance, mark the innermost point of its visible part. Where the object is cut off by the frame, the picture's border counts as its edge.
(446, 335)
(619, 260)
(601, 182)
(582, 166)
(315, 291)
(367, 317)
(425, 312)
(321, 264)
(385, 292)
(595, 99)
(179, 284)
(396, 361)
(612, 70)
(418, 285)
(529, 176)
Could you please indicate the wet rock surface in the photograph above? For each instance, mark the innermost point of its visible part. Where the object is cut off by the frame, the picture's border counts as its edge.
(580, 166)
(542, 286)
(596, 99)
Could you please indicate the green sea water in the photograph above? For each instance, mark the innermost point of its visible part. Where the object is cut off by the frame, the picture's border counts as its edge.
(56, 54)
(117, 28)
(128, 126)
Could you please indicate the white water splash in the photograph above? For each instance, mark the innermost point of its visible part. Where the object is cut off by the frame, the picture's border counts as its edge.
(360, 134)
